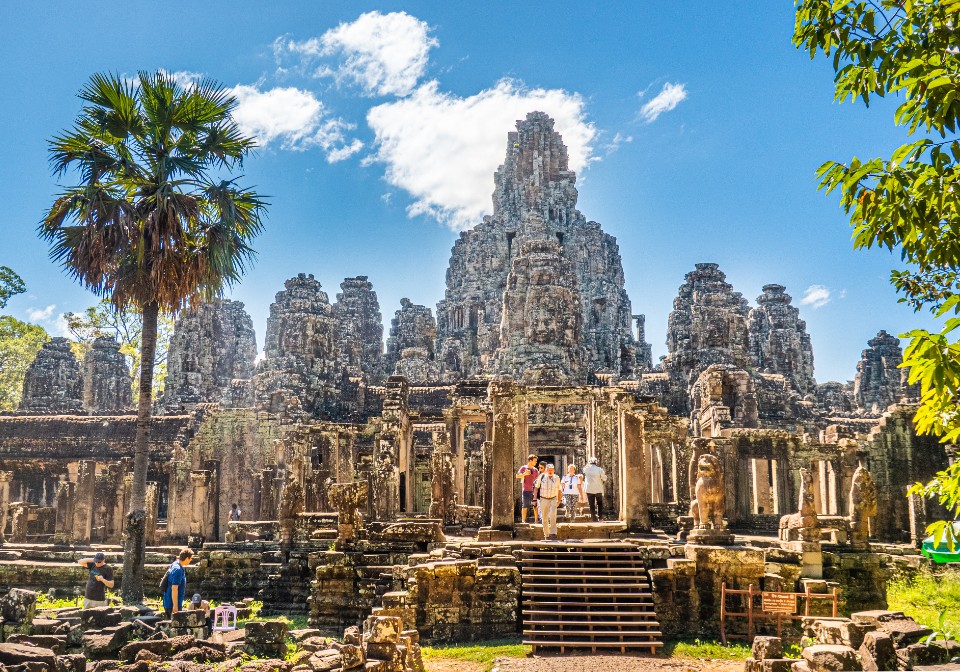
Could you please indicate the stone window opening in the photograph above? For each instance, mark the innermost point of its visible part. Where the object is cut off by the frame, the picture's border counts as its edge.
(560, 237)
(510, 236)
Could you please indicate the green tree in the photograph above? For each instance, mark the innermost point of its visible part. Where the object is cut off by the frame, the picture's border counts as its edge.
(909, 202)
(150, 224)
(19, 344)
(104, 319)
(11, 284)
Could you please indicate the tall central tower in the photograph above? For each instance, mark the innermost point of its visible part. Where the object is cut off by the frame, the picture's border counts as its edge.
(534, 184)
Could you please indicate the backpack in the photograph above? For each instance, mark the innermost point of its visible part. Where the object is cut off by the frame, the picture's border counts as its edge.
(165, 581)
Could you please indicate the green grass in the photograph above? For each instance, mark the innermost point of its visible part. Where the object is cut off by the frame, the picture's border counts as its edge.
(44, 601)
(483, 653)
(926, 595)
(706, 650)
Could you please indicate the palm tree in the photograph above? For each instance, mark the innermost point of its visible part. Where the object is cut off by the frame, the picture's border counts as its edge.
(153, 223)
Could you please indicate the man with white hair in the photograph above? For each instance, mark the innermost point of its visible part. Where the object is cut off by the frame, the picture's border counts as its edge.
(549, 486)
(593, 479)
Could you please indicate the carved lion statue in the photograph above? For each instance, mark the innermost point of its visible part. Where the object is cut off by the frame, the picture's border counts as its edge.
(707, 508)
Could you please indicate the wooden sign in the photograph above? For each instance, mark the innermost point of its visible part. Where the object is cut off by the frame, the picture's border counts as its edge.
(780, 603)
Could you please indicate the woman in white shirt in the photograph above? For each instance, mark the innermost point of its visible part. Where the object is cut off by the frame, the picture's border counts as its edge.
(572, 485)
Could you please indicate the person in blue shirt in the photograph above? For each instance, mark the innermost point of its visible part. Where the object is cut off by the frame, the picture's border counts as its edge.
(176, 590)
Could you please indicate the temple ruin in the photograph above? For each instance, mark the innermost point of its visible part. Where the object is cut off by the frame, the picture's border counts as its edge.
(381, 478)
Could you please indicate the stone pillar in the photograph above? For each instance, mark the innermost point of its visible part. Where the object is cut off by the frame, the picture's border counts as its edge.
(200, 482)
(634, 473)
(268, 496)
(84, 502)
(152, 509)
(18, 523)
(66, 500)
(5, 478)
(502, 456)
(442, 488)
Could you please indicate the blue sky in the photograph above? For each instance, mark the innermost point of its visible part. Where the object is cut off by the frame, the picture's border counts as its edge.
(697, 127)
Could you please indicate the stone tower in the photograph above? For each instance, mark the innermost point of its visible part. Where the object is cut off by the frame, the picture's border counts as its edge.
(708, 325)
(412, 327)
(361, 328)
(644, 349)
(541, 331)
(53, 383)
(878, 380)
(213, 345)
(106, 377)
(534, 179)
(779, 342)
(300, 374)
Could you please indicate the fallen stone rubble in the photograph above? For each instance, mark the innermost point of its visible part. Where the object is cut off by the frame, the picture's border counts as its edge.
(134, 639)
(868, 640)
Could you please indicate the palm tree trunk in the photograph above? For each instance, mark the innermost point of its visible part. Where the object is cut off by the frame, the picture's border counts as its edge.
(135, 544)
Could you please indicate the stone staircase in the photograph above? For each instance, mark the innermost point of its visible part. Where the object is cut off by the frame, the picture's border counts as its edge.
(587, 596)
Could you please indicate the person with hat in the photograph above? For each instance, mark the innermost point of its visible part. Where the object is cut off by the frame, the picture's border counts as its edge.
(549, 485)
(99, 578)
(593, 479)
(198, 603)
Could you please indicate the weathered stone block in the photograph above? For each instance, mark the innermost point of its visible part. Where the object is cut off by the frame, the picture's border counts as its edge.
(18, 654)
(266, 638)
(877, 652)
(383, 629)
(831, 658)
(915, 655)
(352, 655)
(767, 647)
(106, 642)
(71, 662)
(325, 660)
(190, 618)
(18, 606)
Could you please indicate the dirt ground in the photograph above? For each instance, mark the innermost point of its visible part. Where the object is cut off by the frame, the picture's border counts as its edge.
(588, 663)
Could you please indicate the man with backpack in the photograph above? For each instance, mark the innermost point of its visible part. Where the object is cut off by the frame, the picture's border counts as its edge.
(174, 584)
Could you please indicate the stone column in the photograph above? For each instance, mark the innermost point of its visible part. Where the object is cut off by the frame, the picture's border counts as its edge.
(5, 478)
(18, 523)
(66, 499)
(200, 482)
(634, 473)
(84, 502)
(152, 508)
(502, 456)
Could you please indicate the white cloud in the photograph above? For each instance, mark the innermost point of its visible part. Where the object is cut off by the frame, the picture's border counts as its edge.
(184, 78)
(669, 97)
(294, 118)
(41, 314)
(614, 145)
(443, 149)
(383, 54)
(816, 296)
(49, 319)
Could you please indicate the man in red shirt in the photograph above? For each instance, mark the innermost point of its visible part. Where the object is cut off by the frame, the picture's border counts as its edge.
(528, 475)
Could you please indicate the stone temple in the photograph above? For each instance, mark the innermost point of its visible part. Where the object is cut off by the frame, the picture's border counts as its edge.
(380, 477)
